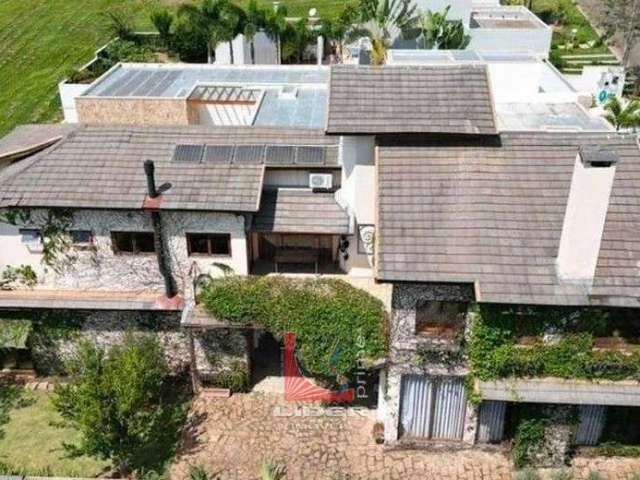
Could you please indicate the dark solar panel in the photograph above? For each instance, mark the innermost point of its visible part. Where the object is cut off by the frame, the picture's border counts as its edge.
(218, 154)
(311, 156)
(188, 153)
(280, 155)
(249, 154)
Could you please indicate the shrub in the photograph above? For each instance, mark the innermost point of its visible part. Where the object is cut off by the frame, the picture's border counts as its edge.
(119, 24)
(236, 378)
(562, 475)
(615, 449)
(122, 404)
(338, 327)
(270, 471)
(198, 472)
(162, 20)
(528, 437)
(189, 43)
(527, 474)
(595, 476)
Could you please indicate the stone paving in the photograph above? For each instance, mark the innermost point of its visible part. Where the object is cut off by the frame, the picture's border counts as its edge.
(233, 437)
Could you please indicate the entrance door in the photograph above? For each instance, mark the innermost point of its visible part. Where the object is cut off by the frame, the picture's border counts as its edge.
(266, 358)
(433, 407)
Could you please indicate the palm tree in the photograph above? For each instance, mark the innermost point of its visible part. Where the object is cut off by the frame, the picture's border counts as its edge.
(274, 26)
(623, 117)
(440, 33)
(206, 18)
(254, 21)
(162, 19)
(382, 19)
(232, 22)
(296, 38)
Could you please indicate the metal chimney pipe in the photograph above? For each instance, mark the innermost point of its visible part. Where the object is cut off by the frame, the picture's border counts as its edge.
(149, 171)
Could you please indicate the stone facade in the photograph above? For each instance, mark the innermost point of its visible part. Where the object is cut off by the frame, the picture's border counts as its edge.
(408, 355)
(134, 111)
(56, 339)
(100, 268)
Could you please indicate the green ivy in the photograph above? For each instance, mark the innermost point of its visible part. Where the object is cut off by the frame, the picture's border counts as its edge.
(528, 438)
(235, 378)
(494, 352)
(338, 327)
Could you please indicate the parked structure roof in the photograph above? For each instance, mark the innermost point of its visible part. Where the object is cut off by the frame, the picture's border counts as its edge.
(25, 140)
(493, 215)
(101, 167)
(287, 210)
(416, 99)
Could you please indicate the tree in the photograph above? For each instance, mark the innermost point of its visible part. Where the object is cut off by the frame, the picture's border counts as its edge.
(255, 20)
(440, 33)
(162, 20)
(231, 24)
(623, 117)
(623, 17)
(295, 39)
(205, 20)
(336, 30)
(275, 25)
(118, 403)
(382, 19)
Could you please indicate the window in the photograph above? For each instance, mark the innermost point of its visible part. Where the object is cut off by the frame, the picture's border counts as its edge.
(32, 239)
(441, 319)
(81, 238)
(209, 244)
(133, 242)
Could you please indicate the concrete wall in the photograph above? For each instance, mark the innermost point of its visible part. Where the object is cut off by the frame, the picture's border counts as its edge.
(132, 111)
(101, 268)
(265, 50)
(535, 40)
(68, 94)
(460, 9)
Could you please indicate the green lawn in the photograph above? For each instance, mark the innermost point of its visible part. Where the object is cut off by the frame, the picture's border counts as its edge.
(41, 40)
(31, 440)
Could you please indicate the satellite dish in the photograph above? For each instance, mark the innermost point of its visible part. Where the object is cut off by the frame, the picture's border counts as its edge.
(313, 12)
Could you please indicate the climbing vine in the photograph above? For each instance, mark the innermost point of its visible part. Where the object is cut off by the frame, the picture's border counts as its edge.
(54, 225)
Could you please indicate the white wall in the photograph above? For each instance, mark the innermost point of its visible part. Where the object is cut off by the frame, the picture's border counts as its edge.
(230, 114)
(68, 93)
(536, 40)
(101, 268)
(460, 9)
(266, 51)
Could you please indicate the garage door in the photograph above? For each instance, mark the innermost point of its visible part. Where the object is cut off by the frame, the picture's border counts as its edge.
(433, 407)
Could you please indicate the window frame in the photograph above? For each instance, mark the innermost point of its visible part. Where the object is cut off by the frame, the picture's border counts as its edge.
(33, 246)
(136, 251)
(191, 253)
(82, 245)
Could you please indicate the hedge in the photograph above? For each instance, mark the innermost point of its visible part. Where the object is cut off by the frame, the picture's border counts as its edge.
(494, 352)
(338, 328)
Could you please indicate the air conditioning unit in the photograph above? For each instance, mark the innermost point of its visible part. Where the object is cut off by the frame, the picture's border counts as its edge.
(320, 181)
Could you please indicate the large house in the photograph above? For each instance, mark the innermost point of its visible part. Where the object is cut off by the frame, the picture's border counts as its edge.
(432, 186)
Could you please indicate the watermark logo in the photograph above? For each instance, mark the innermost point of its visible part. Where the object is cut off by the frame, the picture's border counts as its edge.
(297, 388)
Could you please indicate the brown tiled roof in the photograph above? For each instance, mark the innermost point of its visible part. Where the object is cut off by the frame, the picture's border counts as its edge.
(493, 215)
(410, 99)
(300, 211)
(27, 139)
(101, 167)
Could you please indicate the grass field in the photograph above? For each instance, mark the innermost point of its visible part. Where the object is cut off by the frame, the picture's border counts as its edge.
(42, 40)
(31, 440)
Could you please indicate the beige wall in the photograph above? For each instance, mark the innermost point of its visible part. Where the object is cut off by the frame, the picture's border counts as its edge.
(134, 111)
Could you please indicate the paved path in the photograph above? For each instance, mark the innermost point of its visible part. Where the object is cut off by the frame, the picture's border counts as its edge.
(232, 437)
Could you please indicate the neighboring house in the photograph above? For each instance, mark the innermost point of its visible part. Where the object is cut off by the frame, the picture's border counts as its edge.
(430, 193)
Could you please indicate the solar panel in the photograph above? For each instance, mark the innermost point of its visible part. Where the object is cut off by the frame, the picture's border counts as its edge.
(311, 156)
(218, 154)
(188, 153)
(280, 155)
(249, 154)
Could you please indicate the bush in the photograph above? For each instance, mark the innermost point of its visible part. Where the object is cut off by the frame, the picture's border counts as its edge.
(528, 438)
(123, 404)
(527, 474)
(562, 475)
(338, 327)
(236, 378)
(594, 476)
(188, 42)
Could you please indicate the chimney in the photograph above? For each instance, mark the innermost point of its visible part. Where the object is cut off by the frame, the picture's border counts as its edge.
(164, 262)
(591, 183)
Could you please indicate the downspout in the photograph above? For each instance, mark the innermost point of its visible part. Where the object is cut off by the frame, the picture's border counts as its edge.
(164, 263)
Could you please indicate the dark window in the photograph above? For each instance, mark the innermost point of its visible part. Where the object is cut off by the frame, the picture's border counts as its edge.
(441, 319)
(133, 242)
(209, 244)
(32, 239)
(81, 238)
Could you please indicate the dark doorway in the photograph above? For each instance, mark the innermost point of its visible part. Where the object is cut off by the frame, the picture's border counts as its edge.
(266, 357)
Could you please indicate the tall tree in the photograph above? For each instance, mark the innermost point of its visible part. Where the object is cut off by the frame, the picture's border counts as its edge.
(275, 25)
(207, 19)
(255, 20)
(162, 19)
(337, 29)
(623, 17)
(382, 20)
(295, 40)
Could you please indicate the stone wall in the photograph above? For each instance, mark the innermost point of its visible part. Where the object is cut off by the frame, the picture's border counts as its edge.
(100, 268)
(407, 356)
(57, 334)
(135, 111)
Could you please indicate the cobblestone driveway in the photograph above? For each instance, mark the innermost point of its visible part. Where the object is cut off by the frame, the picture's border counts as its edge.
(232, 437)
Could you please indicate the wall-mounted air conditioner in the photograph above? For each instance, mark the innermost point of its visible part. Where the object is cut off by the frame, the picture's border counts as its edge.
(320, 181)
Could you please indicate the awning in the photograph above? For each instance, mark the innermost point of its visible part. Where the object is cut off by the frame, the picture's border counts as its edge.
(288, 210)
(14, 333)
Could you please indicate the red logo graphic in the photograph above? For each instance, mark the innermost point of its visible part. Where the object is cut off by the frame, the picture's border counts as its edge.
(299, 389)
